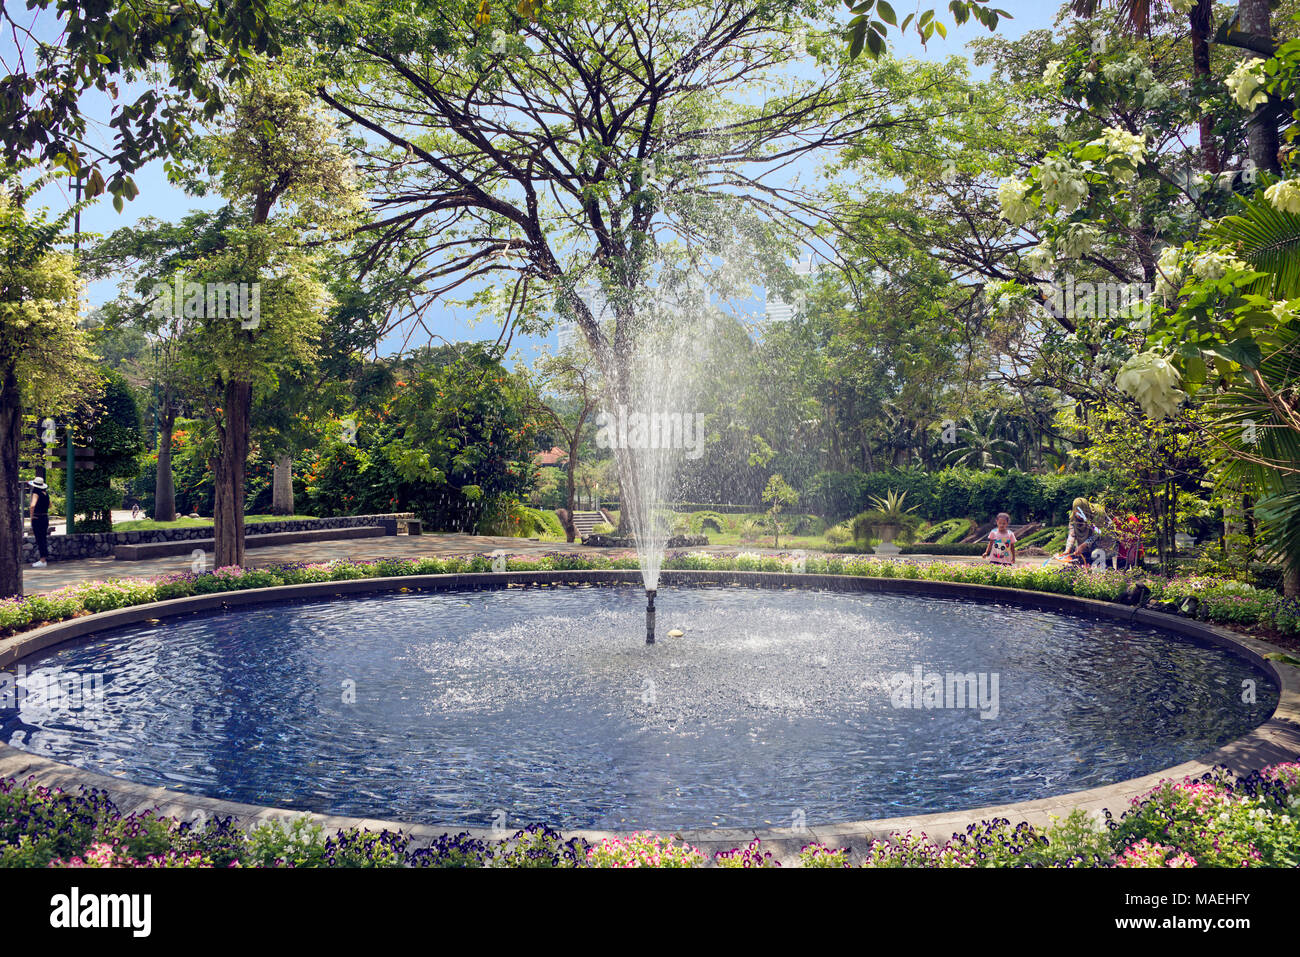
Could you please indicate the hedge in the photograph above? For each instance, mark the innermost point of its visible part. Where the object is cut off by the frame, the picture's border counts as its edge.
(970, 493)
(949, 548)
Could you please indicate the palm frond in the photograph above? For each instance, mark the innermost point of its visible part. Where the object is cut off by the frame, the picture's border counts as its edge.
(1267, 238)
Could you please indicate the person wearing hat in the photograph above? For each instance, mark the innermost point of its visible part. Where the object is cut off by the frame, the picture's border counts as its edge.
(40, 510)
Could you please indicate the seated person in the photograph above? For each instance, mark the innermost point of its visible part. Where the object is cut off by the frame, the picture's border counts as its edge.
(1088, 523)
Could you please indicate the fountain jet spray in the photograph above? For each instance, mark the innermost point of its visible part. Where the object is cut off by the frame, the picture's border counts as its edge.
(650, 616)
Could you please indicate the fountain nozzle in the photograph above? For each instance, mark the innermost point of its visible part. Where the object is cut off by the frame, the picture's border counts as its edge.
(650, 616)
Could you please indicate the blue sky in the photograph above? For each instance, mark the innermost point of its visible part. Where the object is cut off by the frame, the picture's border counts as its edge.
(159, 199)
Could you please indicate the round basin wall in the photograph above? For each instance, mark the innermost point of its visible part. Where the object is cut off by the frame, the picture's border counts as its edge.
(545, 705)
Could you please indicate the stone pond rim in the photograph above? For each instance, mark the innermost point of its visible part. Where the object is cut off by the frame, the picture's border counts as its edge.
(1276, 740)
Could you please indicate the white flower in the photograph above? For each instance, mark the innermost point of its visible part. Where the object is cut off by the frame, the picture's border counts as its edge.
(1285, 195)
(1077, 240)
(1132, 146)
(1040, 258)
(1053, 71)
(1063, 184)
(1153, 381)
(1169, 272)
(1246, 84)
(1215, 264)
(1011, 196)
(1156, 95)
(1113, 71)
(1284, 311)
(1123, 147)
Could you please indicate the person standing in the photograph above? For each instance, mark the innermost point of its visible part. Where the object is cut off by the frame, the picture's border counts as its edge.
(40, 512)
(1001, 549)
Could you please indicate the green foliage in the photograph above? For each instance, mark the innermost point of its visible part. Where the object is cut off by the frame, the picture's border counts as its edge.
(947, 532)
(705, 521)
(947, 548)
(117, 436)
(954, 492)
(452, 442)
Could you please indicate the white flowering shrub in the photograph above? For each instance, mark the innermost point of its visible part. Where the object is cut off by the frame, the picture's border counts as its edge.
(1246, 84)
(1064, 184)
(1012, 197)
(1169, 272)
(1077, 240)
(1153, 381)
(1124, 151)
(1214, 264)
(1285, 195)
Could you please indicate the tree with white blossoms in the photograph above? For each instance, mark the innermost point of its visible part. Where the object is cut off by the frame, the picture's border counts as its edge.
(1230, 330)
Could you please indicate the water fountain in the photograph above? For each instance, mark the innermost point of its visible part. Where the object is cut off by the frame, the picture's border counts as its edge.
(651, 420)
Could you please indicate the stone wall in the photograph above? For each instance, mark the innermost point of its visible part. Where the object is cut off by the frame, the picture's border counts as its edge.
(101, 544)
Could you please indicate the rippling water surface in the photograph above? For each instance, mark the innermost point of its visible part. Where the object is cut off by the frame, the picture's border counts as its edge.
(546, 705)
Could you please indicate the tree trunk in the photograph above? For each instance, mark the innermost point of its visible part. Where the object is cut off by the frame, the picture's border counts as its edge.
(164, 495)
(1202, 19)
(570, 533)
(1291, 582)
(228, 511)
(11, 493)
(1261, 128)
(282, 486)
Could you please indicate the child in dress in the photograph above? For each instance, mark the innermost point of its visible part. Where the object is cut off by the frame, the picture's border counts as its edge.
(1001, 549)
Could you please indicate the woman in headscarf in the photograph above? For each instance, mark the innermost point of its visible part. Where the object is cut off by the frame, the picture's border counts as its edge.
(1087, 523)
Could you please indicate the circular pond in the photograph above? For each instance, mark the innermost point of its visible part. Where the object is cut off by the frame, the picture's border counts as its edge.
(544, 705)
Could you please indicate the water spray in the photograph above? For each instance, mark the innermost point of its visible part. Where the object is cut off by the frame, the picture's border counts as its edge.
(650, 616)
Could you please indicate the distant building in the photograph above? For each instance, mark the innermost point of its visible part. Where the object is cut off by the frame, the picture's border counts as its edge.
(556, 457)
(567, 330)
(777, 310)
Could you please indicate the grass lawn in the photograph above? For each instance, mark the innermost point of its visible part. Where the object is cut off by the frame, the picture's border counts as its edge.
(148, 524)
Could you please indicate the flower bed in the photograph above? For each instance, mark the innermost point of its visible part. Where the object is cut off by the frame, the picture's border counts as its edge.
(1218, 820)
(1219, 600)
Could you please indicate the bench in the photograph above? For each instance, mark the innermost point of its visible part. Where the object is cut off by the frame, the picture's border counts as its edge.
(147, 550)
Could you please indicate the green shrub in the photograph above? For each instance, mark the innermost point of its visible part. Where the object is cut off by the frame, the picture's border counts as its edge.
(701, 523)
(954, 491)
(955, 548)
(961, 527)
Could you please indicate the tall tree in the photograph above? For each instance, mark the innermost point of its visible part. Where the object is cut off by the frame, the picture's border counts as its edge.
(44, 359)
(273, 153)
(572, 381)
(153, 254)
(544, 155)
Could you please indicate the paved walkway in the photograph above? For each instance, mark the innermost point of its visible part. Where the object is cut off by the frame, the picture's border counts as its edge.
(58, 574)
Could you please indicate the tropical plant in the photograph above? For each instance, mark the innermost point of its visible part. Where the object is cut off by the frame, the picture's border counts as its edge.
(981, 442)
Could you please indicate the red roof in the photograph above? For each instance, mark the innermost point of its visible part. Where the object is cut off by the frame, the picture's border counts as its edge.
(553, 457)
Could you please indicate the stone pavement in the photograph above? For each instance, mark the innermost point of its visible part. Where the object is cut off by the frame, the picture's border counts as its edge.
(441, 545)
